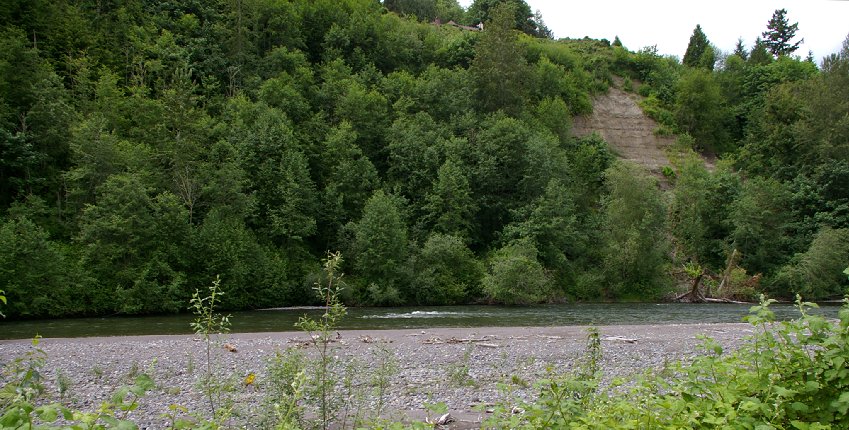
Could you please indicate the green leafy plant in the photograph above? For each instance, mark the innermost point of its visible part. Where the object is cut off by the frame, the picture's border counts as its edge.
(458, 373)
(286, 377)
(322, 333)
(209, 325)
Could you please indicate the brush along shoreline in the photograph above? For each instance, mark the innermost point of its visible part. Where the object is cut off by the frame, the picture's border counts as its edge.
(460, 367)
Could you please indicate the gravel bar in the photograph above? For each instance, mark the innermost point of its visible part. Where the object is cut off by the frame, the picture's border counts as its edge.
(458, 366)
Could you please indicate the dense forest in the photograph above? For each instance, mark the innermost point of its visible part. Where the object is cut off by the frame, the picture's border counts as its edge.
(148, 146)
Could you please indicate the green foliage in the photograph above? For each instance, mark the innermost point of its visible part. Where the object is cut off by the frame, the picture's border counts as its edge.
(780, 33)
(700, 110)
(634, 247)
(37, 274)
(445, 272)
(761, 225)
(699, 51)
(699, 217)
(380, 248)
(816, 272)
(515, 276)
(156, 144)
(210, 325)
(321, 332)
(499, 67)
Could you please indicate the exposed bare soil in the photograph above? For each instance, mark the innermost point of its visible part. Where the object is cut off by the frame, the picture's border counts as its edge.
(618, 119)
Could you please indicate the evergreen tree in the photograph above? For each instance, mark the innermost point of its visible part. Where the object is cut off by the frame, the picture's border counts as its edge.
(740, 49)
(699, 52)
(542, 30)
(521, 17)
(499, 68)
(450, 207)
(380, 250)
(780, 34)
(759, 54)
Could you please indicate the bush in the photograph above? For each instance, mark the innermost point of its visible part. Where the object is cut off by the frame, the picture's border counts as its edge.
(515, 276)
(445, 272)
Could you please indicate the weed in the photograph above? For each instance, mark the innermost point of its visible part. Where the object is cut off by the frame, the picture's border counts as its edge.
(97, 371)
(386, 368)
(209, 325)
(133, 371)
(286, 376)
(322, 332)
(518, 380)
(458, 373)
(63, 383)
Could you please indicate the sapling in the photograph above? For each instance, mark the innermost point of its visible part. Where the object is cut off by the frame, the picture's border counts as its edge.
(209, 325)
(322, 332)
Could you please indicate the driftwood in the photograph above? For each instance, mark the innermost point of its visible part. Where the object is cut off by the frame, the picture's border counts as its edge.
(694, 295)
(620, 339)
(436, 341)
(441, 421)
(712, 300)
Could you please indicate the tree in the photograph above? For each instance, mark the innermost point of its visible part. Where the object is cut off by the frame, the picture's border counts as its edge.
(521, 17)
(450, 208)
(380, 250)
(36, 273)
(762, 225)
(780, 34)
(699, 52)
(551, 225)
(817, 272)
(515, 276)
(445, 272)
(759, 54)
(740, 49)
(616, 42)
(133, 241)
(635, 249)
(499, 68)
(350, 180)
(541, 30)
(700, 110)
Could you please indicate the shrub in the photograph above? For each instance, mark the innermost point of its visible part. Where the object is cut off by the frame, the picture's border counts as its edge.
(515, 276)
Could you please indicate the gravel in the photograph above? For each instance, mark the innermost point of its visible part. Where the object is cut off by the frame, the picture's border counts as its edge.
(458, 366)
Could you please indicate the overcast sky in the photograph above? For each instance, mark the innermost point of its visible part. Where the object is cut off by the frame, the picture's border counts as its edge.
(824, 24)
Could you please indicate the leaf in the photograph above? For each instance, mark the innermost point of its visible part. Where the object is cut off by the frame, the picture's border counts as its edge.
(842, 403)
(126, 425)
(799, 407)
(48, 413)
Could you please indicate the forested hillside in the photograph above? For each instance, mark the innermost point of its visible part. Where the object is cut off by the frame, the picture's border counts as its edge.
(148, 146)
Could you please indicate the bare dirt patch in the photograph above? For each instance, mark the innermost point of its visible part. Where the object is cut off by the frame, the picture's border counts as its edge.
(618, 119)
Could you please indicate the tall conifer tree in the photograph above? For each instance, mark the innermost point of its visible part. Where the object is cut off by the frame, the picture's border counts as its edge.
(780, 34)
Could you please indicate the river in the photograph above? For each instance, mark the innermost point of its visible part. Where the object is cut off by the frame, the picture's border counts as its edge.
(407, 317)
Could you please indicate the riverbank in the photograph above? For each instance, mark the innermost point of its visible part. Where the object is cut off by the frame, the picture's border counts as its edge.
(459, 367)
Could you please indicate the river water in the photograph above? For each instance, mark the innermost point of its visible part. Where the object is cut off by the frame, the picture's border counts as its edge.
(408, 317)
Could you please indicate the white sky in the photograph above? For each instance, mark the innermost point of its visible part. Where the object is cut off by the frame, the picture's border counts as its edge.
(824, 24)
